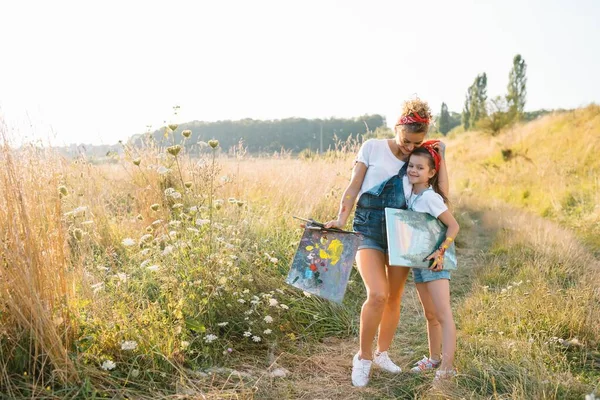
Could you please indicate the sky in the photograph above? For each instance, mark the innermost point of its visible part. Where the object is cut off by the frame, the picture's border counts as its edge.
(99, 72)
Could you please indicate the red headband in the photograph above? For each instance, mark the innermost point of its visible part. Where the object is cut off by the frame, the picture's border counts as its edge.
(407, 119)
(436, 156)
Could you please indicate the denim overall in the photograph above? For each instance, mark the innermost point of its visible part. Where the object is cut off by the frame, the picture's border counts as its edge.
(369, 217)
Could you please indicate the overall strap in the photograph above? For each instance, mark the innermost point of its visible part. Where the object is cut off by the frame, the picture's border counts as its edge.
(403, 170)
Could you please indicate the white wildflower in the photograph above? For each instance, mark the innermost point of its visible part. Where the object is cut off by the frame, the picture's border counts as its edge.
(210, 338)
(145, 263)
(146, 237)
(246, 291)
(247, 334)
(108, 365)
(135, 373)
(273, 302)
(168, 250)
(153, 268)
(128, 242)
(173, 234)
(256, 338)
(241, 301)
(98, 287)
(162, 170)
(267, 331)
(284, 306)
(268, 319)
(193, 209)
(175, 224)
(185, 344)
(306, 294)
(129, 345)
(144, 252)
(223, 323)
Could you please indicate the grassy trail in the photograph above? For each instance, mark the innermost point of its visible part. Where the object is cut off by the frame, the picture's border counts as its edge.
(323, 372)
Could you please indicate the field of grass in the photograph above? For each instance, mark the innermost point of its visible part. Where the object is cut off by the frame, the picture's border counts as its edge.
(161, 276)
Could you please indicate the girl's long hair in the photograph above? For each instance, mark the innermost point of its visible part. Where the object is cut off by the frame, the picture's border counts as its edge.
(434, 182)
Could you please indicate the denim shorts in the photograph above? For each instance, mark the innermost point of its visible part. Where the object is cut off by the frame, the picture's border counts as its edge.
(371, 224)
(422, 275)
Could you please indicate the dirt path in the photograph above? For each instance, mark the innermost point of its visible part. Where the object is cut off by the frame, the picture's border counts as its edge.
(324, 373)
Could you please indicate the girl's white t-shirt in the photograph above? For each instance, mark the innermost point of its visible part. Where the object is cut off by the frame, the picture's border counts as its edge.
(427, 201)
(381, 163)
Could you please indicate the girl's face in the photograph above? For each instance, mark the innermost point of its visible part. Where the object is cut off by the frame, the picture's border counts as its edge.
(419, 170)
(407, 142)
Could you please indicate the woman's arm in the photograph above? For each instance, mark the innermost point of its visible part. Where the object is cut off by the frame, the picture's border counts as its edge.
(443, 181)
(438, 256)
(349, 196)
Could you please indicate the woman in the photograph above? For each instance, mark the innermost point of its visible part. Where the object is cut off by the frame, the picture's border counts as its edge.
(377, 184)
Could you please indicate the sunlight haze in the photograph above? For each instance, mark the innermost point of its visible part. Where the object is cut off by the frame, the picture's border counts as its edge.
(99, 73)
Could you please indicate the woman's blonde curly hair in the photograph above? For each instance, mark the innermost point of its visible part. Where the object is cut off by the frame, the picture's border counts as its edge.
(416, 105)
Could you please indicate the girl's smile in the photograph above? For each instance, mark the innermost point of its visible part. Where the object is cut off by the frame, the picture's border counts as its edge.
(419, 171)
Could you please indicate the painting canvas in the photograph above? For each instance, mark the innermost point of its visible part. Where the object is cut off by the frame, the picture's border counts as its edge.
(323, 261)
(412, 236)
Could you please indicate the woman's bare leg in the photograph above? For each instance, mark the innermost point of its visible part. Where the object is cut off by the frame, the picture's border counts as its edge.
(371, 265)
(396, 277)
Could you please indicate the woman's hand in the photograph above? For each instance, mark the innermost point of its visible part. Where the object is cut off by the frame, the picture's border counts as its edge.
(335, 223)
(440, 147)
(438, 260)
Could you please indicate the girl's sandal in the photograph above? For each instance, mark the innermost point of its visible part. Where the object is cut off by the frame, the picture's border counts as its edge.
(441, 375)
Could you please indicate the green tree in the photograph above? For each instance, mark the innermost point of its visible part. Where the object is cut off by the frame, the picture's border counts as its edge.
(444, 120)
(517, 88)
(497, 116)
(465, 118)
(475, 102)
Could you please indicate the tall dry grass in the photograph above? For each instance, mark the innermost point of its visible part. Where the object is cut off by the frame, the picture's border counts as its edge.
(37, 276)
(549, 166)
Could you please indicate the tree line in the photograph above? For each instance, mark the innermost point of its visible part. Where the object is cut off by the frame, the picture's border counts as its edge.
(295, 134)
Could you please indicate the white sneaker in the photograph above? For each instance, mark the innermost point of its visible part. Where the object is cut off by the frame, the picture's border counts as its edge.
(360, 371)
(382, 360)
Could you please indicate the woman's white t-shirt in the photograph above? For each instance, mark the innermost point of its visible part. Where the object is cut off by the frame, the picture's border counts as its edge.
(427, 201)
(381, 163)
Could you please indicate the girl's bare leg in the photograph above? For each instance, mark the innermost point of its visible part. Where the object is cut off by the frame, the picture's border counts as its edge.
(439, 294)
(434, 329)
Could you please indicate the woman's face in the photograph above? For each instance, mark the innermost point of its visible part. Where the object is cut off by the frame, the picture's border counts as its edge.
(407, 142)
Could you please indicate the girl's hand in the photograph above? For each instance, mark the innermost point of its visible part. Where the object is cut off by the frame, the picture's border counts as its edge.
(438, 260)
(335, 223)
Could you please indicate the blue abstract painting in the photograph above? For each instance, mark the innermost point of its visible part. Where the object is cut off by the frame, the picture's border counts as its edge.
(323, 261)
(413, 236)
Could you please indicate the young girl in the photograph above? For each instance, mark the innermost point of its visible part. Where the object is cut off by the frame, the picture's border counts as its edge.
(433, 284)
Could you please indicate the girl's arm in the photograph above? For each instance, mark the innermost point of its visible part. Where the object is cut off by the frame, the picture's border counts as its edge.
(438, 256)
(349, 196)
